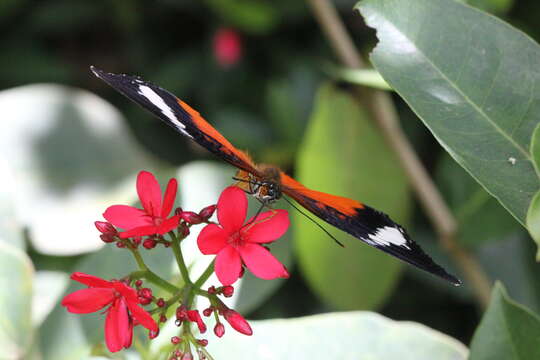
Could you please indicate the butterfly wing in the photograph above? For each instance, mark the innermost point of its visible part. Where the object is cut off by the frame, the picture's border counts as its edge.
(177, 114)
(365, 223)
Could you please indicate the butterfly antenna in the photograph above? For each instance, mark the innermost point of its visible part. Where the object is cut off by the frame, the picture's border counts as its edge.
(316, 223)
(257, 214)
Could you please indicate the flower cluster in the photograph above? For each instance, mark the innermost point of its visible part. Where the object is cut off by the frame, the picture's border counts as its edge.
(236, 243)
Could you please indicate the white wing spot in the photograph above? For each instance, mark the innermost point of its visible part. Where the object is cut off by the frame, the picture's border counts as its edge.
(387, 236)
(165, 109)
(512, 160)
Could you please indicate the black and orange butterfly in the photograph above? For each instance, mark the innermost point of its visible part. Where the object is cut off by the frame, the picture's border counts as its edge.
(268, 183)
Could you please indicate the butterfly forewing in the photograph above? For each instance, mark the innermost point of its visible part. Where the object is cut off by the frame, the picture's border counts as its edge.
(177, 114)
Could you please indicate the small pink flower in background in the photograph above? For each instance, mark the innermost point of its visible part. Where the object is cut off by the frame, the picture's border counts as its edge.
(153, 218)
(123, 311)
(227, 47)
(235, 243)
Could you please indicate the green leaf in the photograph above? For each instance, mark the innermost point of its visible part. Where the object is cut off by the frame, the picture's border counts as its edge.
(71, 156)
(343, 154)
(481, 218)
(349, 335)
(16, 272)
(472, 79)
(366, 77)
(535, 149)
(533, 221)
(507, 331)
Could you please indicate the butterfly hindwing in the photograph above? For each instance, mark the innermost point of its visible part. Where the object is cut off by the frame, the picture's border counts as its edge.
(365, 223)
(177, 114)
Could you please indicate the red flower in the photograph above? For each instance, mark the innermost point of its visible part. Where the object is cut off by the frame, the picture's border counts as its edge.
(152, 219)
(235, 243)
(121, 314)
(227, 47)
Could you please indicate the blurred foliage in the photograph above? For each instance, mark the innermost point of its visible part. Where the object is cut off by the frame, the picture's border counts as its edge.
(265, 103)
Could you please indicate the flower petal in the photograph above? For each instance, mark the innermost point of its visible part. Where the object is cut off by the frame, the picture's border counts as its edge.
(89, 300)
(268, 226)
(126, 217)
(142, 316)
(129, 293)
(261, 262)
(232, 208)
(169, 197)
(117, 326)
(91, 280)
(228, 265)
(212, 239)
(139, 231)
(168, 225)
(149, 193)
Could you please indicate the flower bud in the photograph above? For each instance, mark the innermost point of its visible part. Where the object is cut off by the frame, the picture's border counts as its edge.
(107, 238)
(227, 290)
(149, 243)
(219, 330)
(175, 340)
(105, 227)
(144, 300)
(178, 211)
(227, 47)
(193, 315)
(237, 321)
(120, 244)
(202, 342)
(207, 312)
(207, 212)
(160, 302)
(191, 218)
(162, 318)
(138, 283)
(145, 293)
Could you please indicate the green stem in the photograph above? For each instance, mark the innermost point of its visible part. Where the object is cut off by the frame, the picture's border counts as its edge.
(175, 245)
(205, 275)
(138, 258)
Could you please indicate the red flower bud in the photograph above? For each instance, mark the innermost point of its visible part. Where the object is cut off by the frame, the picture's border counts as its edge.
(107, 238)
(145, 292)
(105, 227)
(175, 340)
(144, 300)
(207, 212)
(193, 315)
(181, 313)
(191, 218)
(227, 291)
(162, 318)
(207, 312)
(160, 302)
(138, 283)
(149, 243)
(202, 342)
(219, 330)
(178, 211)
(237, 322)
(120, 244)
(187, 356)
(212, 289)
(183, 230)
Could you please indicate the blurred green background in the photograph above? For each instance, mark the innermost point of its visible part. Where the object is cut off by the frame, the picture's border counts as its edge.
(70, 146)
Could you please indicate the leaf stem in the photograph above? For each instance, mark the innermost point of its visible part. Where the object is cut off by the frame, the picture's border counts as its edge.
(383, 111)
(148, 274)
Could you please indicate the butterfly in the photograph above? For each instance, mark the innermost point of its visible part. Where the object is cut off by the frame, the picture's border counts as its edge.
(268, 183)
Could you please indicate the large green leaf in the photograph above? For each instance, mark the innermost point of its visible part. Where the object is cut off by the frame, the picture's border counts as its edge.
(474, 81)
(343, 154)
(507, 331)
(349, 335)
(16, 271)
(480, 217)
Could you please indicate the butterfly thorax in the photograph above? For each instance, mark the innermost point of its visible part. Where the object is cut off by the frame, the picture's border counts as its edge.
(266, 187)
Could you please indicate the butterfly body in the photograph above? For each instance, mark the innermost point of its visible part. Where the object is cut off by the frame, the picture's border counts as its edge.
(268, 183)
